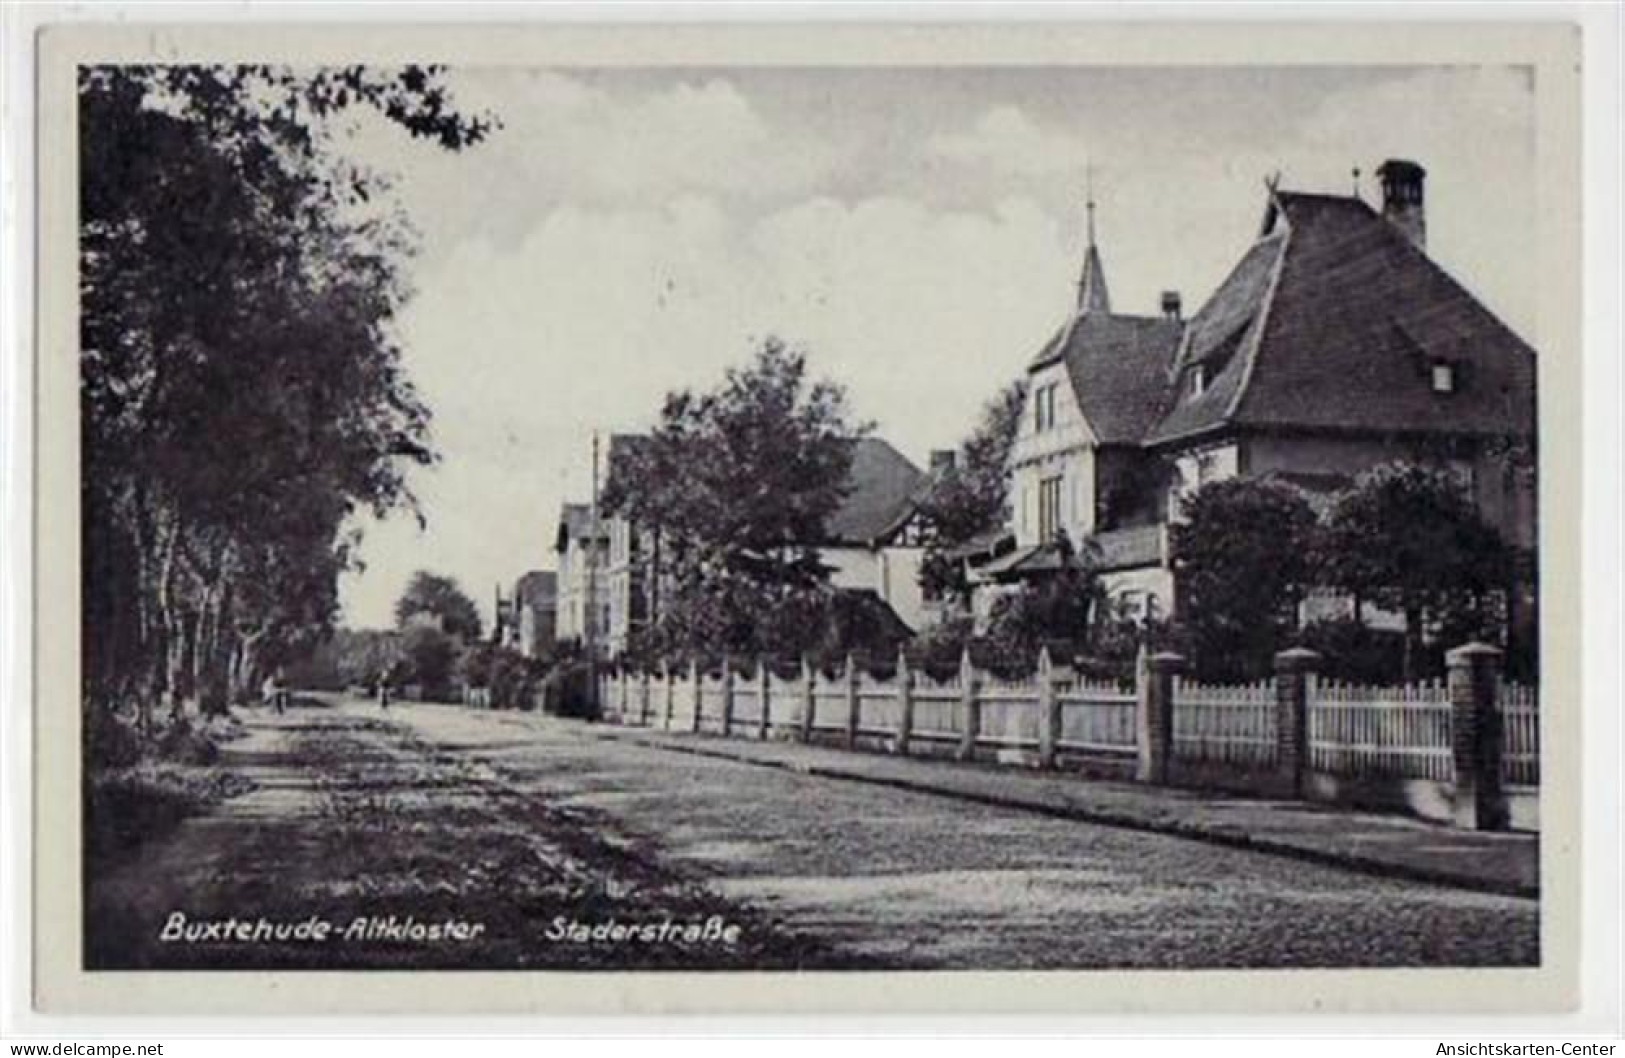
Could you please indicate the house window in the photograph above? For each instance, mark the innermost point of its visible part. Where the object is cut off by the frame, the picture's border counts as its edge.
(1049, 508)
(1044, 408)
(1198, 384)
(1207, 467)
(1444, 377)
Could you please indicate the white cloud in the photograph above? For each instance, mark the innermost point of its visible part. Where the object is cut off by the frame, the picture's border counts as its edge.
(1006, 139)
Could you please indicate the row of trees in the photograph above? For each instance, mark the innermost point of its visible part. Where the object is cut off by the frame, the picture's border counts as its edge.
(242, 394)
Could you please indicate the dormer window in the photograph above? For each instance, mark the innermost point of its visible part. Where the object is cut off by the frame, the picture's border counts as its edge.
(1198, 381)
(1444, 376)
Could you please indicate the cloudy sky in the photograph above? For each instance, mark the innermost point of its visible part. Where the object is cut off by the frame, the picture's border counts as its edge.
(917, 231)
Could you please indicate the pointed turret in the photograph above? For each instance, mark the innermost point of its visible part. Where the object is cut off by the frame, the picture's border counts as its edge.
(1092, 294)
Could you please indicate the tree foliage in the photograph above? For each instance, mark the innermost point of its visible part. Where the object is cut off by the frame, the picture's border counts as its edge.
(1243, 557)
(242, 393)
(974, 497)
(1410, 539)
(739, 482)
(442, 601)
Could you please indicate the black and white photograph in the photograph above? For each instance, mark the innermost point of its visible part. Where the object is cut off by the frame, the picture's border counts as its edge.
(838, 516)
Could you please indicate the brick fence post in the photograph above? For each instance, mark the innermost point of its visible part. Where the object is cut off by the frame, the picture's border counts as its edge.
(1155, 727)
(1294, 675)
(970, 708)
(905, 703)
(809, 699)
(694, 682)
(727, 696)
(851, 687)
(1049, 710)
(1475, 735)
(764, 691)
(670, 682)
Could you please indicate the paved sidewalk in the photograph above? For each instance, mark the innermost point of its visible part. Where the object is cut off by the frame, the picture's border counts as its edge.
(1384, 845)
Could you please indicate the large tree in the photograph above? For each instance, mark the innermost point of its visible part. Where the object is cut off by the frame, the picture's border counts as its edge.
(442, 601)
(1242, 558)
(739, 483)
(1410, 539)
(243, 396)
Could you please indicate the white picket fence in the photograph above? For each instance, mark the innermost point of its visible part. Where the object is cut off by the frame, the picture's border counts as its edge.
(1227, 724)
(1520, 734)
(1391, 732)
(1091, 717)
(1353, 730)
(1098, 717)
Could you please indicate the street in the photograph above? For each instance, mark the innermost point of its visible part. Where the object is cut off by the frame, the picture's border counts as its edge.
(540, 830)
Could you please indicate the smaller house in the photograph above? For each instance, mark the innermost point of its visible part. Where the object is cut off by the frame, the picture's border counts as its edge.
(875, 539)
(527, 620)
(581, 543)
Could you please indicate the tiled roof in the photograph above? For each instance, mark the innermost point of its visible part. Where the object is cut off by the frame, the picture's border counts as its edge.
(1116, 549)
(1118, 366)
(1341, 331)
(882, 487)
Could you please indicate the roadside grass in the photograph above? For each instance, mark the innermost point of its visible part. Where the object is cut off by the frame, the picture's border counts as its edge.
(138, 789)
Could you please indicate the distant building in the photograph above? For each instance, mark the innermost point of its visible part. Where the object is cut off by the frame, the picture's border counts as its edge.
(875, 538)
(582, 591)
(1335, 344)
(633, 583)
(527, 621)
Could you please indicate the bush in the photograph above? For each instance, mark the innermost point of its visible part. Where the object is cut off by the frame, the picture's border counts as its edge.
(430, 656)
(567, 691)
(111, 740)
(184, 742)
(1354, 653)
(128, 806)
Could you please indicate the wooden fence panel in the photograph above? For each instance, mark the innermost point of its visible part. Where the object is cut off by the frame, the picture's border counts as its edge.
(1009, 717)
(1520, 734)
(711, 703)
(936, 709)
(1381, 732)
(1230, 724)
(1098, 718)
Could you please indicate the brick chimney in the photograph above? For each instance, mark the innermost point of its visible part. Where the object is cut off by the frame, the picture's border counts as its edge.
(1402, 199)
(1171, 305)
(942, 461)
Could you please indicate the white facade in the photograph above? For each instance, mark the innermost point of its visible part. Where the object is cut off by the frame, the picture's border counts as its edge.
(573, 587)
(1198, 467)
(891, 572)
(1052, 463)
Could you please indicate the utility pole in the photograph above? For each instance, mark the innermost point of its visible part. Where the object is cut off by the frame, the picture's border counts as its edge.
(590, 609)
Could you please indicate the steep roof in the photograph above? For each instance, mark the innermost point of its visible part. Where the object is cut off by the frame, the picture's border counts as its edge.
(881, 490)
(1333, 320)
(1118, 366)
